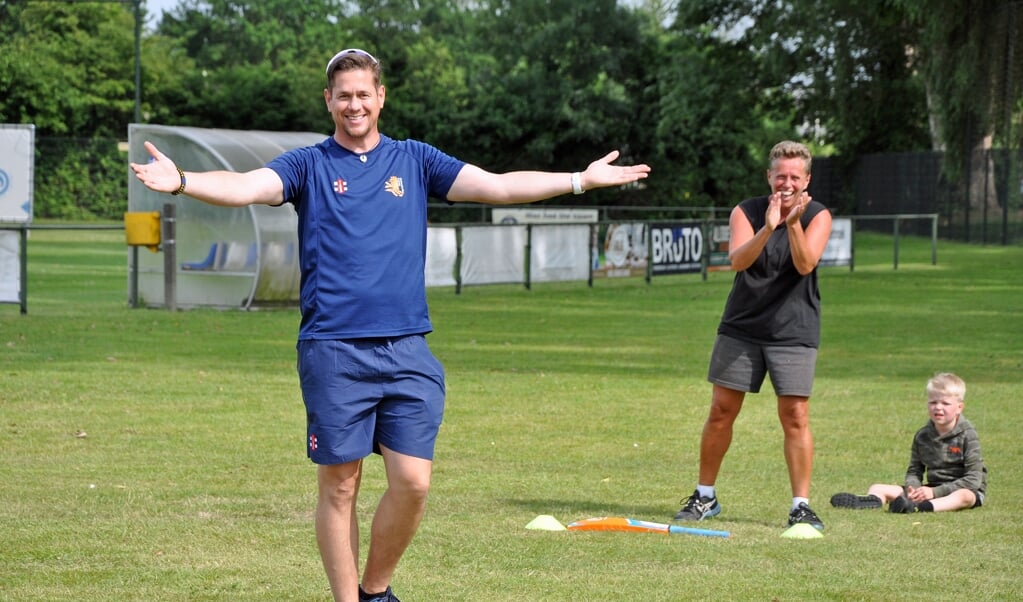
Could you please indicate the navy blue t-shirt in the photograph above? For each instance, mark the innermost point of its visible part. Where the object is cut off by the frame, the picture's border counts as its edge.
(362, 234)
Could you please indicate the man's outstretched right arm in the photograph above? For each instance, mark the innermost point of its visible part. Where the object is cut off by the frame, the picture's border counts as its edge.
(224, 188)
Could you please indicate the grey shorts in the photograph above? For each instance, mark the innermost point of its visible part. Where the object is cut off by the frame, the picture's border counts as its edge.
(742, 366)
(977, 503)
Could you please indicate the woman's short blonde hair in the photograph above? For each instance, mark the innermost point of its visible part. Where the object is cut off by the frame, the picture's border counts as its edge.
(787, 149)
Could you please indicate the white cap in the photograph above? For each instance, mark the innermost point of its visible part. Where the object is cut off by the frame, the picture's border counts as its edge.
(357, 51)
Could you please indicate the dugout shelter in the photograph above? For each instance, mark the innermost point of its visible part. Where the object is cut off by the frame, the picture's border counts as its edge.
(224, 257)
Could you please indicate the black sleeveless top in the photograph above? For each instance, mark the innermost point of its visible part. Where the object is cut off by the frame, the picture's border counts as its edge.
(771, 303)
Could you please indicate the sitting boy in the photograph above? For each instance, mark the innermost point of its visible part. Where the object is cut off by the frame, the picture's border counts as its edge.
(946, 449)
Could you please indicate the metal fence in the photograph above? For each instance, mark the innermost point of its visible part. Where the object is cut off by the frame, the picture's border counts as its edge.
(81, 180)
(984, 207)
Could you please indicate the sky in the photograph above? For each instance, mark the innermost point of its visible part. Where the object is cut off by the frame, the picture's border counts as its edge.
(157, 7)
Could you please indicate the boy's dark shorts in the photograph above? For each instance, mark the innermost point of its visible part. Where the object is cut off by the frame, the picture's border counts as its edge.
(741, 366)
(979, 497)
(360, 394)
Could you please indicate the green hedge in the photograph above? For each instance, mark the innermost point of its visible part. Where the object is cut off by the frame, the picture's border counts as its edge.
(80, 179)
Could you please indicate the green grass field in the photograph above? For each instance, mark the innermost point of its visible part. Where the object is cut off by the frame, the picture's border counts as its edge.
(149, 455)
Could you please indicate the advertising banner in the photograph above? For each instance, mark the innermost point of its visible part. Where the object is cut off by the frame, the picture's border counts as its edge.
(559, 252)
(542, 215)
(623, 253)
(10, 266)
(719, 249)
(839, 249)
(17, 159)
(677, 248)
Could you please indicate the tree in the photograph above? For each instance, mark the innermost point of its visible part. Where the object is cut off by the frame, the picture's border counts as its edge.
(713, 127)
(972, 69)
(251, 64)
(67, 69)
(958, 49)
(557, 83)
(425, 51)
(841, 63)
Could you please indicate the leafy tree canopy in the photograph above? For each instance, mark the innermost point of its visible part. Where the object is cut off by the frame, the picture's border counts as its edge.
(699, 90)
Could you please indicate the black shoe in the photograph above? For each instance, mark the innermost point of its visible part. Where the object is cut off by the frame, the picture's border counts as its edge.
(856, 502)
(386, 596)
(902, 505)
(803, 514)
(698, 508)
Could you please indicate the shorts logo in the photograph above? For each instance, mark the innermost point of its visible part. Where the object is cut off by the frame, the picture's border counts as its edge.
(312, 443)
(395, 186)
(340, 186)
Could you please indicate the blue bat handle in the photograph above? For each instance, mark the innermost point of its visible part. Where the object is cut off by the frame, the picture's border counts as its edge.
(692, 531)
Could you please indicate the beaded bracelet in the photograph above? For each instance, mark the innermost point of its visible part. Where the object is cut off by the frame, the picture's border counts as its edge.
(182, 187)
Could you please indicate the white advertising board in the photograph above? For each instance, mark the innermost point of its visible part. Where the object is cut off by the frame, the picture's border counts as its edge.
(17, 161)
(10, 266)
(839, 249)
(543, 215)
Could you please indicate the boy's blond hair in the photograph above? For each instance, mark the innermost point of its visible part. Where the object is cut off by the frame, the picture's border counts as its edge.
(946, 384)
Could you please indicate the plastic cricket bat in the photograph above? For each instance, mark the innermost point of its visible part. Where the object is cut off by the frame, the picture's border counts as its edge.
(615, 523)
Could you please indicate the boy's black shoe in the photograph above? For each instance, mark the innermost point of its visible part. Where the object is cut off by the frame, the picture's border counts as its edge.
(856, 502)
(902, 505)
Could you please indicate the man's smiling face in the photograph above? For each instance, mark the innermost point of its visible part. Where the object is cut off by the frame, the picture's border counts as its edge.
(354, 100)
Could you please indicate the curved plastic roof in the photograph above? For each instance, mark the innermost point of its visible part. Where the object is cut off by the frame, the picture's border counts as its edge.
(226, 257)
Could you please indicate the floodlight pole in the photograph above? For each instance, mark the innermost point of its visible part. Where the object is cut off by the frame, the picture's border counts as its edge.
(137, 5)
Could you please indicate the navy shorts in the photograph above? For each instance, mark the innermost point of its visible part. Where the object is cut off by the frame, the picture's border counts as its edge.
(360, 394)
(742, 366)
